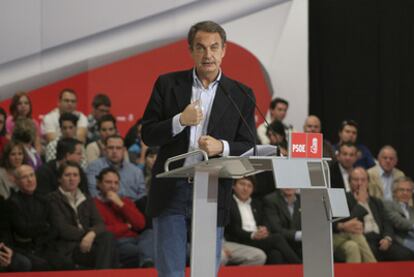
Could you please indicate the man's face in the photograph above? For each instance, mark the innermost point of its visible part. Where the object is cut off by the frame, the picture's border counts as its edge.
(67, 104)
(115, 150)
(26, 180)
(207, 52)
(279, 112)
(243, 189)
(312, 125)
(75, 156)
(347, 156)
(387, 159)
(110, 182)
(100, 111)
(404, 192)
(358, 180)
(70, 179)
(107, 129)
(68, 129)
(348, 134)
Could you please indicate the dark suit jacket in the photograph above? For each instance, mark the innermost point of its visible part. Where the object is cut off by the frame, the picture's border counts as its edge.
(336, 176)
(278, 217)
(378, 212)
(234, 231)
(171, 94)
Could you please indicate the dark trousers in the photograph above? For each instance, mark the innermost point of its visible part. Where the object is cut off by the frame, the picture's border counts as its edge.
(103, 254)
(395, 252)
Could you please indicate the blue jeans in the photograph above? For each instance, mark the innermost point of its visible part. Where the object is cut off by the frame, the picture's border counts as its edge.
(170, 234)
(135, 251)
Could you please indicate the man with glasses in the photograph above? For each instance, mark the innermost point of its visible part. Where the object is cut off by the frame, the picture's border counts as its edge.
(67, 104)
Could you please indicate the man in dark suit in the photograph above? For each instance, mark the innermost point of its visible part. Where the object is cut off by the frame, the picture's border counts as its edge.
(190, 110)
(340, 169)
(247, 225)
(282, 211)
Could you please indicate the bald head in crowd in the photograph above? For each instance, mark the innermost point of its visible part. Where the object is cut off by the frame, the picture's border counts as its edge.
(312, 124)
(387, 158)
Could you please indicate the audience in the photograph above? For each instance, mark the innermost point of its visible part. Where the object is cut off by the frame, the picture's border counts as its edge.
(401, 213)
(348, 132)
(384, 174)
(67, 104)
(124, 221)
(132, 178)
(278, 110)
(101, 105)
(340, 169)
(13, 158)
(82, 237)
(21, 107)
(34, 236)
(247, 225)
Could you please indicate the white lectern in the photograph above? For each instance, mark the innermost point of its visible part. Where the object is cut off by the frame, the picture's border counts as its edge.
(320, 205)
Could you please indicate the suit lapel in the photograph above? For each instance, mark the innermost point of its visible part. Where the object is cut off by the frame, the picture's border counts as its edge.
(183, 91)
(284, 208)
(220, 104)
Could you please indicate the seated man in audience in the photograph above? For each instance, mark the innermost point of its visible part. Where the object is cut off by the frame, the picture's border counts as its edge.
(233, 253)
(107, 127)
(376, 226)
(67, 104)
(67, 149)
(340, 169)
(124, 221)
(132, 178)
(101, 105)
(9, 260)
(246, 226)
(313, 125)
(34, 235)
(82, 239)
(400, 213)
(384, 174)
(348, 132)
(67, 124)
(278, 110)
(282, 211)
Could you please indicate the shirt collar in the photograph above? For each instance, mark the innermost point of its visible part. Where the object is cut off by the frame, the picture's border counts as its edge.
(383, 173)
(197, 82)
(238, 201)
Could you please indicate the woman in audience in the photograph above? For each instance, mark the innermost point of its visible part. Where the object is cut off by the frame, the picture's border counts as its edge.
(13, 157)
(133, 142)
(150, 157)
(82, 236)
(125, 221)
(25, 133)
(3, 138)
(21, 107)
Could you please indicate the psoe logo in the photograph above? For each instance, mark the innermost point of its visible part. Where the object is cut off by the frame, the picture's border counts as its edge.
(299, 148)
(314, 146)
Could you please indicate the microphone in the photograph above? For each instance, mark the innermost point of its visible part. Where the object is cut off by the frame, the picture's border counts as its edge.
(241, 115)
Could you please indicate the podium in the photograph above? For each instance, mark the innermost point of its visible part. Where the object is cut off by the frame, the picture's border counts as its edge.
(320, 205)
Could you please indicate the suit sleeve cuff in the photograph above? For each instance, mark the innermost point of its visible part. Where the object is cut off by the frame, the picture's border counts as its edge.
(176, 125)
(298, 236)
(226, 148)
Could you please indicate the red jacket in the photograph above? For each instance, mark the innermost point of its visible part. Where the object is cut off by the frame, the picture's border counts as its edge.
(116, 218)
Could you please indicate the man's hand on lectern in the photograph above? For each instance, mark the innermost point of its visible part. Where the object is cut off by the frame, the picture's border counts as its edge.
(212, 146)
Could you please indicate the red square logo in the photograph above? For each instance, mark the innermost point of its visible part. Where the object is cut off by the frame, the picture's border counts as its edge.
(298, 145)
(314, 145)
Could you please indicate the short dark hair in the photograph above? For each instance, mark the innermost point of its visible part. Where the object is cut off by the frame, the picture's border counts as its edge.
(101, 100)
(105, 118)
(206, 26)
(66, 146)
(68, 117)
(3, 113)
(152, 150)
(347, 144)
(116, 136)
(67, 90)
(276, 101)
(67, 164)
(251, 178)
(276, 127)
(105, 171)
(349, 122)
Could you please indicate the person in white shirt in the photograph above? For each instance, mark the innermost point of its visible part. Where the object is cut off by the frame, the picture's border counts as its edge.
(67, 104)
